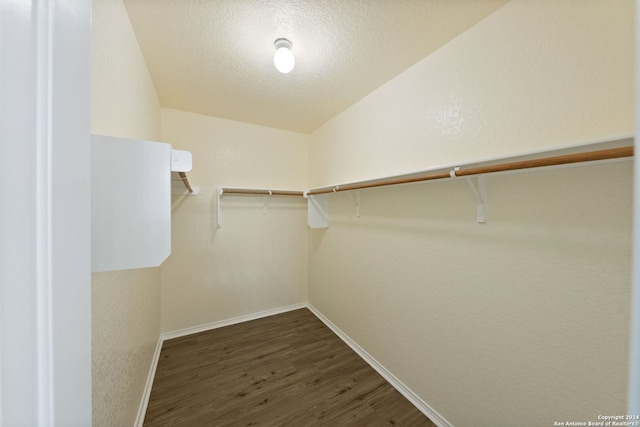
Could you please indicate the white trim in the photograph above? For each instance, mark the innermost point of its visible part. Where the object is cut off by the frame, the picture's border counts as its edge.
(422, 406)
(45, 282)
(427, 410)
(232, 321)
(146, 394)
(44, 211)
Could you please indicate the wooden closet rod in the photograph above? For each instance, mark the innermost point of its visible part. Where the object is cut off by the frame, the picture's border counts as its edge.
(590, 156)
(261, 192)
(185, 180)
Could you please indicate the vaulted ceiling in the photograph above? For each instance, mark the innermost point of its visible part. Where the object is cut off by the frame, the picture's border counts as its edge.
(215, 57)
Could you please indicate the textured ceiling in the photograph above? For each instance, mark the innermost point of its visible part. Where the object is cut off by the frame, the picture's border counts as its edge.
(215, 57)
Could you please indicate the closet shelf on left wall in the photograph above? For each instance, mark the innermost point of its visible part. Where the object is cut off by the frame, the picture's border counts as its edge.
(259, 192)
(238, 191)
(131, 201)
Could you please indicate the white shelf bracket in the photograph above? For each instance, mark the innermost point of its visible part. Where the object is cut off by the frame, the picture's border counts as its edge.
(181, 162)
(479, 192)
(317, 210)
(355, 198)
(219, 192)
(266, 203)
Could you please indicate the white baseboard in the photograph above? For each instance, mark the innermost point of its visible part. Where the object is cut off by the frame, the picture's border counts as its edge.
(146, 394)
(427, 410)
(422, 406)
(232, 321)
(142, 410)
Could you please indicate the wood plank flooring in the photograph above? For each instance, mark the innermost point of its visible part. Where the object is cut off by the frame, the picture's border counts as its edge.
(283, 370)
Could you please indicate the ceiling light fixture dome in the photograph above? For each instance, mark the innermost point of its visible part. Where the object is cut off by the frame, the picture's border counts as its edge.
(283, 58)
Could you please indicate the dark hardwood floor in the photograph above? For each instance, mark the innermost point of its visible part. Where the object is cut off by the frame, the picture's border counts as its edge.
(283, 370)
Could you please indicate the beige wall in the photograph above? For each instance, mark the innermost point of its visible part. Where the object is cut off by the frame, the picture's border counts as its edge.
(254, 262)
(533, 75)
(124, 101)
(522, 320)
(125, 304)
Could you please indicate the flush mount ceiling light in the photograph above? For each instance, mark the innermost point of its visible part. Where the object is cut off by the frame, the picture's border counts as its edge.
(283, 58)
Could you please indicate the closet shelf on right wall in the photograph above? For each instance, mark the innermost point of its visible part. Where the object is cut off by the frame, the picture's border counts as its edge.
(608, 150)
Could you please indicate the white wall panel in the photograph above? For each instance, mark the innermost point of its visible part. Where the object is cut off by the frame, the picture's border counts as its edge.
(130, 203)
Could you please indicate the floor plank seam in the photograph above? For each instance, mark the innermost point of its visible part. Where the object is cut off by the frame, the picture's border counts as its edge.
(258, 392)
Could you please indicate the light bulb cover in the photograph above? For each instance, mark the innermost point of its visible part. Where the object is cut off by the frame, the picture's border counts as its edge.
(283, 58)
